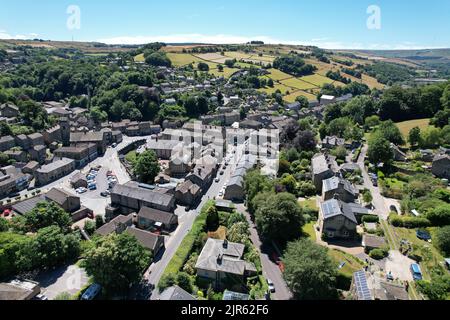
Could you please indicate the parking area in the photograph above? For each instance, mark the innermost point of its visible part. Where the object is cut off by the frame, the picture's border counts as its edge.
(70, 279)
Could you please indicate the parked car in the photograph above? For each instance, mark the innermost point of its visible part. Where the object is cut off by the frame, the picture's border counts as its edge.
(92, 186)
(41, 297)
(105, 193)
(416, 272)
(217, 180)
(6, 213)
(114, 145)
(222, 173)
(81, 190)
(91, 292)
(271, 286)
(423, 235)
(389, 276)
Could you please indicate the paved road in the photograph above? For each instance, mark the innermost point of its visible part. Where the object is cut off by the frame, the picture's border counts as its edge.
(270, 269)
(378, 202)
(154, 273)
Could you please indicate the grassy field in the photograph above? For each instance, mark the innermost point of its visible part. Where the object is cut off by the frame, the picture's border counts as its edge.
(291, 97)
(139, 58)
(237, 55)
(317, 80)
(227, 72)
(182, 59)
(276, 87)
(406, 126)
(298, 84)
(276, 75)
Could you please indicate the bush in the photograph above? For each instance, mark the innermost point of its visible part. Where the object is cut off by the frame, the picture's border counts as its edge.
(408, 222)
(378, 254)
(89, 227)
(370, 219)
(440, 216)
(442, 239)
(166, 281)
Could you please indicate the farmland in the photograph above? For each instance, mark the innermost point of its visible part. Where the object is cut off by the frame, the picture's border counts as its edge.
(406, 126)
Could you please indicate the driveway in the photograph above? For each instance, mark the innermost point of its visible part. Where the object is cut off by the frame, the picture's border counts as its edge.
(68, 279)
(399, 265)
(270, 269)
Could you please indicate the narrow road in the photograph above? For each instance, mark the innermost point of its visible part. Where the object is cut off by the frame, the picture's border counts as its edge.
(155, 271)
(270, 269)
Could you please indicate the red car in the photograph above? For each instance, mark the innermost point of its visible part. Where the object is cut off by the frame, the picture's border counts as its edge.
(6, 213)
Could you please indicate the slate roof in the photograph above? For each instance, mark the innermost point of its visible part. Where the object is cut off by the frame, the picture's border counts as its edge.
(146, 239)
(111, 226)
(150, 196)
(55, 165)
(157, 215)
(333, 208)
(230, 254)
(334, 183)
(175, 293)
(58, 195)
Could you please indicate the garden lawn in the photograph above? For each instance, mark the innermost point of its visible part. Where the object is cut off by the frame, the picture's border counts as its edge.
(309, 230)
(352, 264)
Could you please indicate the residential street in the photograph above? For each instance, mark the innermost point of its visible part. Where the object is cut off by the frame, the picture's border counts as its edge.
(154, 273)
(270, 269)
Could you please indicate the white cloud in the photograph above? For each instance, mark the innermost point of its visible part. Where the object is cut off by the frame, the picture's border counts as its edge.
(6, 36)
(324, 43)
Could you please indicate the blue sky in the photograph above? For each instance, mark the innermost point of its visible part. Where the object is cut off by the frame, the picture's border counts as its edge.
(336, 24)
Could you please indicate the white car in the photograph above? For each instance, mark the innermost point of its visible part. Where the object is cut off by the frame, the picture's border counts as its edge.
(217, 180)
(81, 190)
(221, 193)
(271, 286)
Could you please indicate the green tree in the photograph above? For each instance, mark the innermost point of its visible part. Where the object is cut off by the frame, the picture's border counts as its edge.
(414, 137)
(146, 167)
(89, 227)
(212, 218)
(99, 221)
(442, 239)
(380, 150)
(52, 247)
(117, 261)
(304, 103)
(202, 66)
(158, 59)
(4, 225)
(238, 232)
(46, 214)
(440, 216)
(279, 217)
(184, 282)
(309, 271)
(220, 68)
(367, 196)
(430, 138)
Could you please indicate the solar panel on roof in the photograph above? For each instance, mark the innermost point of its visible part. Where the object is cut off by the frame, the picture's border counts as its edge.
(362, 289)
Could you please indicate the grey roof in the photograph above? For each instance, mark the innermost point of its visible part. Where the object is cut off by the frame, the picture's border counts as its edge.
(176, 293)
(55, 165)
(333, 140)
(322, 163)
(162, 144)
(360, 283)
(236, 181)
(373, 241)
(146, 195)
(58, 195)
(230, 254)
(157, 215)
(111, 226)
(336, 182)
(333, 208)
(146, 239)
(86, 137)
(27, 205)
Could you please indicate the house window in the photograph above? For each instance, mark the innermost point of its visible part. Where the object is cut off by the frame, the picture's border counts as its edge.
(345, 233)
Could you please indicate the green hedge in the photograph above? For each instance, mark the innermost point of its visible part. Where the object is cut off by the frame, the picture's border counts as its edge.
(409, 222)
(378, 254)
(370, 219)
(185, 248)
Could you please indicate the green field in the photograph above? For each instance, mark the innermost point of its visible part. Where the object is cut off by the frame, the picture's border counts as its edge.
(182, 59)
(227, 72)
(406, 126)
(309, 230)
(276, 74)
(291, 97)
(352, 264)
(317, 80)
(298, 84)
(139, 58)
(276, 87)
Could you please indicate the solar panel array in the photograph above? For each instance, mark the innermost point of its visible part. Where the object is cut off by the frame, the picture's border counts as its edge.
(362, 290)
(330, 208)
